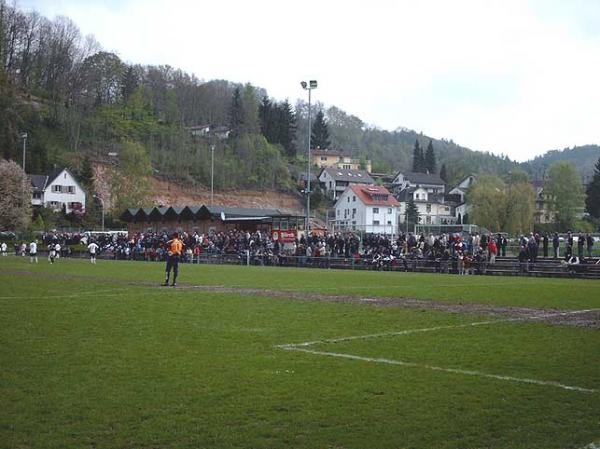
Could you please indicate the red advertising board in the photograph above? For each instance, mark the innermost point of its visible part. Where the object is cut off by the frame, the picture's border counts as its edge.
(283, 236)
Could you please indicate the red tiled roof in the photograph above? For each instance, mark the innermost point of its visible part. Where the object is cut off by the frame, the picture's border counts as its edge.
(368, 195)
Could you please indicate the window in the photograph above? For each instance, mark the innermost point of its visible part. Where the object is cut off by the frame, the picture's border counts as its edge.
(428, 219)
(323, 158)
(71, 189)
(416, 196)
(428, 208)
(375, 222)
(353, 212)
(353, 198)
(348, 199)
(37, 195)
(54, 204)
(375, 210)
(389, 210)
(339, 212)
(389, 222)
(56, 189)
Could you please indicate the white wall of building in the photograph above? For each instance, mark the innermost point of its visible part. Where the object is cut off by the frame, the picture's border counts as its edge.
(63, 190)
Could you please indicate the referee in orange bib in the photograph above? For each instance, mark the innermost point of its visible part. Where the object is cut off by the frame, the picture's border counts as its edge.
(174, 251)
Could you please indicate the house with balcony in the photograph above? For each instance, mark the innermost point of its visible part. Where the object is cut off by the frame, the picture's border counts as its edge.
(367, 208)
(334, 181)
(58, 191)
(434, 208)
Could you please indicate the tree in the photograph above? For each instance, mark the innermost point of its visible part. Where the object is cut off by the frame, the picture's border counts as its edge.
(412, 213)
(565, 193)
(320, 132)
(287, 128)
(501, 206)
(487, 198)
(592, 199)
(130, 183)
(443, 173)
(430, 162)
(250, 122)
(418, 158)
(15, 197)
(236, 113)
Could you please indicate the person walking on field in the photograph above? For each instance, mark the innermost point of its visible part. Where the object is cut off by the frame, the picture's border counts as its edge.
(33, 252)
(4, 248)
(93, 249)
(174, 251)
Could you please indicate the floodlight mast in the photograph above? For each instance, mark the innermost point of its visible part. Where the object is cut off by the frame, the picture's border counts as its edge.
(312, 84)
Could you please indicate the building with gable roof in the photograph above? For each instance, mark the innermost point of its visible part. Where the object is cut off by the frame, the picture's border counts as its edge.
(368, 208)
(59, 190)
(430, 182)
(335, 181)
(337, 159)
(434, 208)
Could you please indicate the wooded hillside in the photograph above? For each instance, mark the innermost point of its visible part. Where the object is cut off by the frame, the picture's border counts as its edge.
(77, 101)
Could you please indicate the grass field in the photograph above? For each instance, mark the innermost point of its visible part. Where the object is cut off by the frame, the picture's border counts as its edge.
(100, 357)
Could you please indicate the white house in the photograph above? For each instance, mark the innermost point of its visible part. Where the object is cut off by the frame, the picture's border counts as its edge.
(433, 207)
(335, 180)
(462, 188)
(430, 182)
(58, 190)
(369, 208)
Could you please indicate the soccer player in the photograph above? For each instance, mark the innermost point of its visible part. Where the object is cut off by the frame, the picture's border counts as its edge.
(4, 248)
(93, 248)
(33, 252)
(51, 252)
(174, 251)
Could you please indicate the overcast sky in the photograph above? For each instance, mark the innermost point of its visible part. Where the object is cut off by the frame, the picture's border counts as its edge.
(512, 76)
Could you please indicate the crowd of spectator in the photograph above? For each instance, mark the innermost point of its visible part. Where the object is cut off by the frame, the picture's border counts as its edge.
(462, 253)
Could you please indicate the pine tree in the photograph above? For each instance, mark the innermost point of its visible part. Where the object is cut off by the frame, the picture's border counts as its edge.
(236, 113)
(430, 163)
(320, 132)
(592, 199)
(265, 117)
(418, 158)
(129, 83)
(287, 128)
(412, 213)
(443, 173)
(250, 121)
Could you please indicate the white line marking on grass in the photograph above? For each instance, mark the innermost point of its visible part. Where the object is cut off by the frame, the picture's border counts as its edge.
(302, 347)
(74, 295)
(592, 446)
(432, 329)
(446, 370)
(391, 334)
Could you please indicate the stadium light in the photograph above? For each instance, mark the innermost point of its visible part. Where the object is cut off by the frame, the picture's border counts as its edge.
(312, 84)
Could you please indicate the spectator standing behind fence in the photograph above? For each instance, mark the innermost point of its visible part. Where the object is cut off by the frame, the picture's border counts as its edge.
(4, 249)
(493, 249)
(580, 245)
(569, 250)
(556, 245)
(545, 244)
(590, 244)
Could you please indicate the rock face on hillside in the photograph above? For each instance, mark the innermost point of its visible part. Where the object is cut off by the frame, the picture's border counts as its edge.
(169, 193)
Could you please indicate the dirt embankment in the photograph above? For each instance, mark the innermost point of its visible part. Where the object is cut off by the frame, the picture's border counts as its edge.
(170, 193)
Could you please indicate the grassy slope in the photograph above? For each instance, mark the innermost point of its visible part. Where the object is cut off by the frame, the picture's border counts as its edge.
(89, 363)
